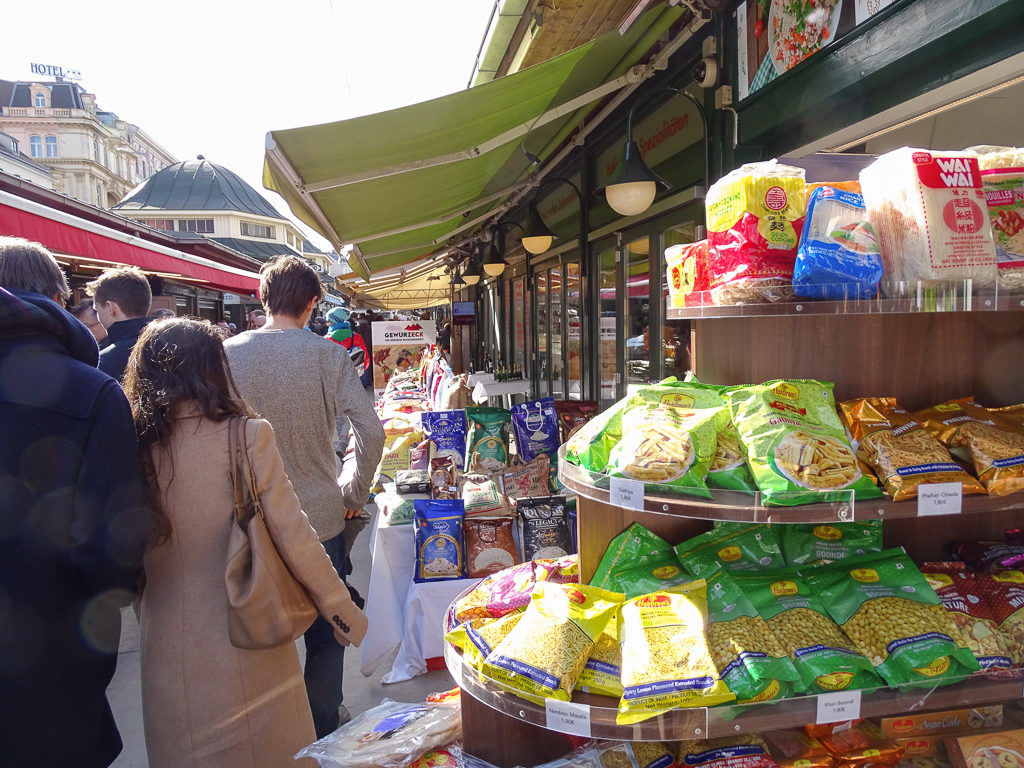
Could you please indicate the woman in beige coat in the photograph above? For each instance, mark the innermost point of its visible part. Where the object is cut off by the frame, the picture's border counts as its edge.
(205, 702)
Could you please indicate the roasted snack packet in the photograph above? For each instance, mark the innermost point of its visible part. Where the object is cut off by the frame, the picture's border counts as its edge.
(863, 744)
(744, 751)
(797, 749)
(591, 444)
(732, 546)
(478, 637)
(809, 544)
(1003, 594)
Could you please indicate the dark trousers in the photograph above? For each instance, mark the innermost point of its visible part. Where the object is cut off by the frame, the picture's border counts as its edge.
(325, 659)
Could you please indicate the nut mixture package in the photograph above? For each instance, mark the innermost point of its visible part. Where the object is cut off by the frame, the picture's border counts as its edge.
(754, 218)
(992, 442)
(669, 437)
(603, 671)
(746, 751)
(666, 662)
(635, 546)
(863, 744)
(894, 617)
(795, 444)
(443, 478)
(822, 654)
(446, 431)
(545, 527)
(749, 657)
(1002, 176)
(489, 546)
(573, 414)
(478, 637)
(543, 656)
(899, 449)
(732, 546)
(482, 495)
(439, 540)
(797, 749)
(1003, 594)
(809, 544)
(521, 481)
(487, 442)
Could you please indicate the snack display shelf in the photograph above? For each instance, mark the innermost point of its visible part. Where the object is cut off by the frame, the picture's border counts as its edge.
(737, 506)
(704, 722)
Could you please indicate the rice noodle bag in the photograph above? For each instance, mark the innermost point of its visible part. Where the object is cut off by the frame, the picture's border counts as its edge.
(686, 267)
(929, 212)
(754, 218)
(1002, 172)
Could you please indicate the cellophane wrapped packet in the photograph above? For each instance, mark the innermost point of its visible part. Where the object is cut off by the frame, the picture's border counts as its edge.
(732, 547)
(603, 671)
(810, 543)
(745, 751)
(478, 637)
(1002, 176)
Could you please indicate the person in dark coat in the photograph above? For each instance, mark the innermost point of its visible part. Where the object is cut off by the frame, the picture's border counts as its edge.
(122, 298)
(73, 523)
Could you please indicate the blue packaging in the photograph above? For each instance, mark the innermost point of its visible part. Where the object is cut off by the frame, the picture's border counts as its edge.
(536, 429)
(447, 431)
(838, 256)
(440, 545)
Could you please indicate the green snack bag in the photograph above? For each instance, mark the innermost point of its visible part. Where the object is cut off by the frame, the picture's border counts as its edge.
(749, 657)
(822, 654)
(889, 610)
(634, 546)
(488, 438)
(669, 436)
(810, 544)
(728, 469)
(795, 445)
(657, 572)
(732, 546)
(590, 445)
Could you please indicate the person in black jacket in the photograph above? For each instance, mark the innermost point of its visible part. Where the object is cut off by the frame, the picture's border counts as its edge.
(73, 522)
(122, 298)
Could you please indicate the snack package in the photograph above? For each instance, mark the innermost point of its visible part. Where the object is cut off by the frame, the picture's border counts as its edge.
(449, 757)
(398, 508)
(482, 495)
(745, 751)
(478, 637)
(823, 655)
(536, 429)
(398, 443)
(446, 431)
(1003, 594)
(603, 671)
(654, 574)
(809, 544)
(635, 546)
(748, 656)
(994, 445)
(524, 480)
(686, 267)
(669, 437)
(930, 215)
(498, 594)
(439, 540)
(561, 570)
(795, 445)
(838, 255)
(992, 555)
(590, 445)
(894, 617)
(487, 442)
(754, 218)
(545, 527)
(862, 745)
(943, 723)
(729, 468)
(443, 478)
(666, 662)
(544, 654)
(797, 749)
(573, 414)
(732, 546)
(633, 754)
(391, 735)
(994, 749)
(490, 546)
(1002, 177)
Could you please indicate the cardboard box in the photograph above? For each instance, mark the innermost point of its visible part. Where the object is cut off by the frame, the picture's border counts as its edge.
(949, 722)
(995, 749)
(923, 746)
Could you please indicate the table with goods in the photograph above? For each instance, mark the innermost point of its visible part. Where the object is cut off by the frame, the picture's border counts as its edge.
(754, 587)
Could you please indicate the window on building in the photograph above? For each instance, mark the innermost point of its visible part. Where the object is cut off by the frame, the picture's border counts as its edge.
(51, 146)
(95, 150)
(40, 100)
(35, 144)
(202, 226)
(99, 196)
(159, 223)
(252, 229)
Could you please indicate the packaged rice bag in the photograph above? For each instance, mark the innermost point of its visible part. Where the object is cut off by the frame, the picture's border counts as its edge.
(524, 480)
(993, 444)
(490, 546)
(536, 429)
(498, 595)
(732, 546)
(573, 414)
(603, 671)
(443, 478)
(809, 544)
(545, 527)
(543, 656)
(478, 637)
(482, 495)
(899, 449)
(487, 442)
(754, 218)
(823, 655)
(746, 751)
(666, 662)
(669, 437)
(795, 445)
(686, 268)
(635, 546)
(1002, 177)
(894, 617)
(929, 212)
(749, 657)
(797, 749)
(838, 256)
(446, 431)
(590, 445)
(439, 540)
(1003, 594)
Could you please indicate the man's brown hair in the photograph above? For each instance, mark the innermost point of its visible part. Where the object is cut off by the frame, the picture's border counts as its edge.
(287, 285)
(27, 266)
(125, 286)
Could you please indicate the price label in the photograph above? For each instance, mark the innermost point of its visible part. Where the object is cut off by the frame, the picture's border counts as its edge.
(627, 493)
(838, 707)
(939, 499)
(567, 717)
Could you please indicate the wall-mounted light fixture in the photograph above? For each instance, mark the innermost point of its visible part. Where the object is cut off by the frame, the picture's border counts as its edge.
(536, 237)
(471, 272)
(494, 263)
(457, 282)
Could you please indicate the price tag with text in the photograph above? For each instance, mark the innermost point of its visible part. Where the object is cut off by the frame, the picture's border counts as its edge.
(838, 707)
(939, 499)
(627, 493)
(568, 717)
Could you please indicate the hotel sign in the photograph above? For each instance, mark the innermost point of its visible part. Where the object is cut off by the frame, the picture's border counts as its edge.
(52, 70)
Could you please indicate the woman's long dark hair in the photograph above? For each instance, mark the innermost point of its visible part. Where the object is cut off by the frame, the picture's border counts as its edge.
(176, 361)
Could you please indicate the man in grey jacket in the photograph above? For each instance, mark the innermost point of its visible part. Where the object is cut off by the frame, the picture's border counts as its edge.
(303, 384)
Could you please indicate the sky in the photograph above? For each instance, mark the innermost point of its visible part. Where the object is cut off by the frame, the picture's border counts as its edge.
(213, 77)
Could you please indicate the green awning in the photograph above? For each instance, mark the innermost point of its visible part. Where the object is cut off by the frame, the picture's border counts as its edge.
(399, 184)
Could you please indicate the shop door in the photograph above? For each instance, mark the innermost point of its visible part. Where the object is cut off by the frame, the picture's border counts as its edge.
(575, 359)
(637, 315)
(609, 321)
(556, 327)
(542, 369)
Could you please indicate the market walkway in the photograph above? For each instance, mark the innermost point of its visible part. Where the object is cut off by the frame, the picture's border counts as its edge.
(361, 693)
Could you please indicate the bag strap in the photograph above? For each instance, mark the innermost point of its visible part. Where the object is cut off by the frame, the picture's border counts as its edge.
(243, 479)
(254, 496)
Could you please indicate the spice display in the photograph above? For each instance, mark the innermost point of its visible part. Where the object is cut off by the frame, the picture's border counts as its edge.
(439, 541)
(734, 547)
(489, 547)
(545, 527)
(488, 438)
(804, 544)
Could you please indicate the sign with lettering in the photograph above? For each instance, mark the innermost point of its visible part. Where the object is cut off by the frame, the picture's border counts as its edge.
(838, 707)
(567, 717)
(55, 71)
(398, 346)
(939, 499)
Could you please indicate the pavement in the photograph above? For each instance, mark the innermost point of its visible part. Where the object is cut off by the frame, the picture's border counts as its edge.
(361, 693)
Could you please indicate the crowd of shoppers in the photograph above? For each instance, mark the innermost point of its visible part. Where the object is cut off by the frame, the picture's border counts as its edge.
(109, 494)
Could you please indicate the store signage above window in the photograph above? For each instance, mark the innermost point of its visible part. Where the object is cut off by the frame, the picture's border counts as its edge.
(773, 36)
(52, 70)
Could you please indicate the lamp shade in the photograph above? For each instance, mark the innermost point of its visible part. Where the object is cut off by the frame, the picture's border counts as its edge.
(457, 281)
(536, 238)
(631, 189)
(493, 264)
(471, 273)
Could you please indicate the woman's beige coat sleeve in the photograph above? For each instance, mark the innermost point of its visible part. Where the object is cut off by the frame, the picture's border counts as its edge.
(295, 538)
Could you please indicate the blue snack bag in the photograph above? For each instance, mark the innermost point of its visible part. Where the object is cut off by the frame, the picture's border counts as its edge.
(439, 539)
(447, 431)
(838, 255)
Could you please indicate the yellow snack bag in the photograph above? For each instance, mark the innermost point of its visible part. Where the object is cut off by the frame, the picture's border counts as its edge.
(478, 637)
(666, 662)
(603, 671)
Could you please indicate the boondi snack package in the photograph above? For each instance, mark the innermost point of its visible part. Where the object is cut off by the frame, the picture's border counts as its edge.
(810, 544)
(732, 546)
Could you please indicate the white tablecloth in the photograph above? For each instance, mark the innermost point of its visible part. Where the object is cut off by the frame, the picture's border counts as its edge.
(486, 389)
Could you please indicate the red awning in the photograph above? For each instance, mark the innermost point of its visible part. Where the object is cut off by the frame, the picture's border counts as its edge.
(67, 234)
